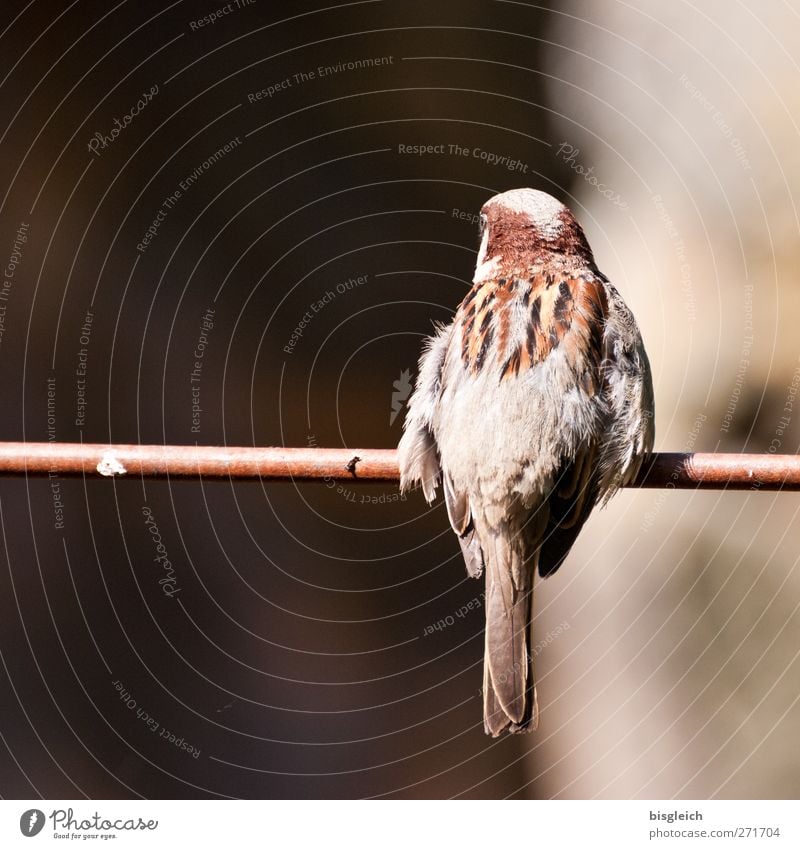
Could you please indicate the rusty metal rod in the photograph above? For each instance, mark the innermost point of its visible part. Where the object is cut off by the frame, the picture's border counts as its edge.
(63, 459)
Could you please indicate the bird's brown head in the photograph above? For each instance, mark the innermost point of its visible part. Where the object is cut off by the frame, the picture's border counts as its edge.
(525, 227)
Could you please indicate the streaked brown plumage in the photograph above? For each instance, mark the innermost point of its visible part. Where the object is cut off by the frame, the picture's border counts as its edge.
(533, 405)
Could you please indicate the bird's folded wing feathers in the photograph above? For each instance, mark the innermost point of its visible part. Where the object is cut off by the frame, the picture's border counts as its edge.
(417, 453)
(630, 386)
(460, 516)
(573, 497)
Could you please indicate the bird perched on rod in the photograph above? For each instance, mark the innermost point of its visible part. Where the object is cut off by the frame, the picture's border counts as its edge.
(533, 405)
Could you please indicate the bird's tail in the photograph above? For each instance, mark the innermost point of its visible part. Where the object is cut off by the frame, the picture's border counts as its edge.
(509, 691)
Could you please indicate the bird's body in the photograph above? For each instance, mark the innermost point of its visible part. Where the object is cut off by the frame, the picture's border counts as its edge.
(534, 404)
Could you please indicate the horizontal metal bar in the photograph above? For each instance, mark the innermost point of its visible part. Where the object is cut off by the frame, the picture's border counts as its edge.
(678, 471)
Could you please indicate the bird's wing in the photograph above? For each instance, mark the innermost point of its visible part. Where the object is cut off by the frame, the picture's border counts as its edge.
(458, 511)
(572, 499)
(417, 453)
(630, 392)
(571, 321)
(606, 355)
(598, 470)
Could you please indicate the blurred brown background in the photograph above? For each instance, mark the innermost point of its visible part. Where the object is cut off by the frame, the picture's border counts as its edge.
(252, 255)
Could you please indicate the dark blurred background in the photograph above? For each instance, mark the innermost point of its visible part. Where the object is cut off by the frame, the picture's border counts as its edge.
(215, 228)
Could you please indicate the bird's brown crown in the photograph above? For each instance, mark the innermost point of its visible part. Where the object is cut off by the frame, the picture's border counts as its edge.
(522, 228)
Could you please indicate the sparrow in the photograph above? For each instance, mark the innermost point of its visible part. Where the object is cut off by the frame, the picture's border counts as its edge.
(533, 405)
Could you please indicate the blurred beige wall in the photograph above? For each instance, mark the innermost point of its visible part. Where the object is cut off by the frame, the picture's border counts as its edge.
(678, 675)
